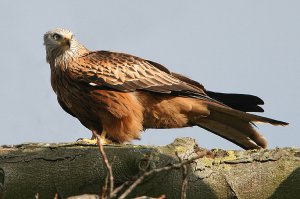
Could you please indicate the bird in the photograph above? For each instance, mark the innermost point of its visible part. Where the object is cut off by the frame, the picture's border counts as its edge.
(117, 96)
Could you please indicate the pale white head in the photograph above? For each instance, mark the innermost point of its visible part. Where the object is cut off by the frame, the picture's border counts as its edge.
(61, 42)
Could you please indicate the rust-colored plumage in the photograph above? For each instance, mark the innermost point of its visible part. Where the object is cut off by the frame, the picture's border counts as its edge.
(122, 95)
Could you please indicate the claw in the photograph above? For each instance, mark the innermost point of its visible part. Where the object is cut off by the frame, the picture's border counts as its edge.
(93, 140)
(103, 139)
(87, 141)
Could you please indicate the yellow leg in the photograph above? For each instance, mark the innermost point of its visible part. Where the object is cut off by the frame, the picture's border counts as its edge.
(103, 139)
(103, 135)
(93, 140)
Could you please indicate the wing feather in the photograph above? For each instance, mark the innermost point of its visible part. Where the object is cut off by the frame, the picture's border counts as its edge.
(128, 73)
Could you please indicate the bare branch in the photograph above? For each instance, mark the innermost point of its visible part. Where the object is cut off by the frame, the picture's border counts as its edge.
(184, 181)
(144, 169)
(119, 188)
(146, 197)
(184, 178)
(110, 176)
(148, 173)
(105, 189)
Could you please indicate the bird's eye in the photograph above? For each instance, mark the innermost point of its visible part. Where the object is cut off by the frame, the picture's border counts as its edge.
(56, 37)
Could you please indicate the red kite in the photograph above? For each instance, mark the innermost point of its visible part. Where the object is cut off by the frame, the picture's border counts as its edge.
(119, 95)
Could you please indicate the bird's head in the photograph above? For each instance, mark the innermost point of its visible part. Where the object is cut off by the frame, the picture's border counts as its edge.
(59, 41)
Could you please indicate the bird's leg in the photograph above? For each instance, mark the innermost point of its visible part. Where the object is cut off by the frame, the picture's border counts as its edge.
(93, 139)
(102, 137)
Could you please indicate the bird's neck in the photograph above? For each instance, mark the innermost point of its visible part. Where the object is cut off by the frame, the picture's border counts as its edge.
(60, 57)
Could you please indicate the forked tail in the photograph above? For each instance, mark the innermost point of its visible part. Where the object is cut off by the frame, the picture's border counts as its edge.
(236, 126)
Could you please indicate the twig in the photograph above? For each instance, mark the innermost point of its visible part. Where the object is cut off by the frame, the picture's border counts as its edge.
(184, 178)
(104, 188)
(184, 182)
(146, 197)
(148, 173)
(108, 167)
(119, 188)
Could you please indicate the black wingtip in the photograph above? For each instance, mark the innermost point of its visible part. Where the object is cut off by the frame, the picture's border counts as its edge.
(246, 108)
(242, 102)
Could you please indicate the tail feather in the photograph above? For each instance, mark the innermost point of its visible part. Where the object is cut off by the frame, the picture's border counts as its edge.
(229, 133)
(236, 126)
(245, 116)
(230, 120)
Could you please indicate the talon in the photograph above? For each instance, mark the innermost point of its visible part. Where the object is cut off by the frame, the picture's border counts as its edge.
(92, 141)
(103, 139)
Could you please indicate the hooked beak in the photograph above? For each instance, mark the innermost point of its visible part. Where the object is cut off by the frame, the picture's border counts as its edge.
(66, 41)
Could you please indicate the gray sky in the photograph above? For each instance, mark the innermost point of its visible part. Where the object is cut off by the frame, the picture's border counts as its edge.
(229, 46)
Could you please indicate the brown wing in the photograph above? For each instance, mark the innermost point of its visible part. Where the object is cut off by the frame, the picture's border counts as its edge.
(65, 107)
(128, 73)
(242, 102)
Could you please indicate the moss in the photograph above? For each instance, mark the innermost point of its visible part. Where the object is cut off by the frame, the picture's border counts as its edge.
(180, 149)
(207, 161)
(217, 160)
